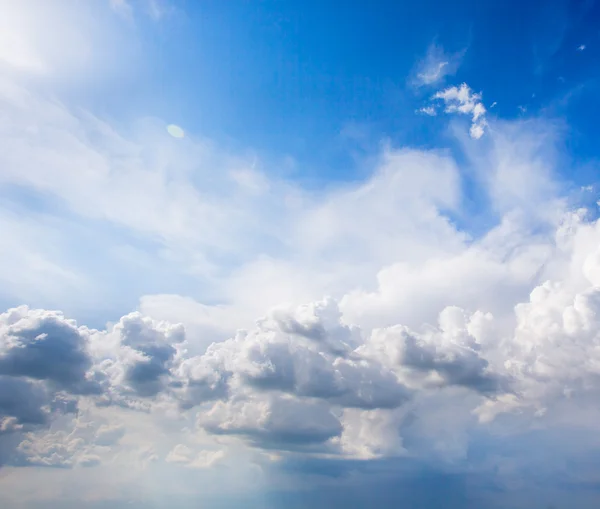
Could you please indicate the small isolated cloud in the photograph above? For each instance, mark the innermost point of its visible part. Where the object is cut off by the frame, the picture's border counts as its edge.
(428, 110)
(464, 101)
(436, 65)
(581, 47)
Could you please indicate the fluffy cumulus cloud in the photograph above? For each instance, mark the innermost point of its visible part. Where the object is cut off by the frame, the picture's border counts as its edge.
(304, 379)
(464, 101)
(43, 345)
(136, 356)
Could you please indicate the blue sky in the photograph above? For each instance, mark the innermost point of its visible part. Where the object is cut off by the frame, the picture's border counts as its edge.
(291, 79)
(290, 254)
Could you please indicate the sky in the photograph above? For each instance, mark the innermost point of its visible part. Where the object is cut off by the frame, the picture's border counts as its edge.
(289, 254)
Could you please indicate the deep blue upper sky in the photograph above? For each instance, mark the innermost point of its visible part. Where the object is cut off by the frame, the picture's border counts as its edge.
(299, 79)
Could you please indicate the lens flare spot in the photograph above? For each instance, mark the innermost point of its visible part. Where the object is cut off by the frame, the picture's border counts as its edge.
(175, 131)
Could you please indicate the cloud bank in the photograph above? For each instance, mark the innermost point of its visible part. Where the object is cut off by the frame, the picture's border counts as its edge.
(304, 382)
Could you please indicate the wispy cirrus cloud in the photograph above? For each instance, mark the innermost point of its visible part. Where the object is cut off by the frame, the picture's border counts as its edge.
(155, 9)
(436, 66)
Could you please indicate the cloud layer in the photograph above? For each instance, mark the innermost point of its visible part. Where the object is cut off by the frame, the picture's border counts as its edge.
(304, 379)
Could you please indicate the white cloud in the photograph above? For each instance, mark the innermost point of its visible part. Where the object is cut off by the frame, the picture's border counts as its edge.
(436, 65)
(296, 381)
(369, 434)
(59, 449)
(433, 73)
(185, 456)
(31, 273)
(62, 42)
(464, 101)
(428, 110)
(581, 47)
(166, 198)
